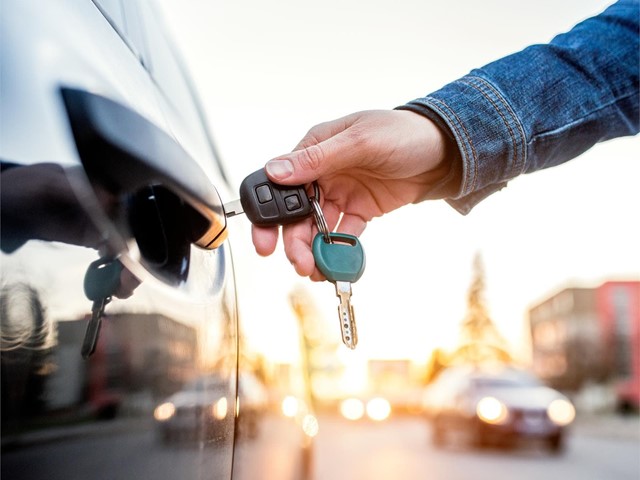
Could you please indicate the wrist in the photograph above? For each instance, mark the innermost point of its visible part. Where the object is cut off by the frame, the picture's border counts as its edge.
(443, 180)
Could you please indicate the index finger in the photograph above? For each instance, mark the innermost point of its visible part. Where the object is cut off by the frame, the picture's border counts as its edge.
(297, 247)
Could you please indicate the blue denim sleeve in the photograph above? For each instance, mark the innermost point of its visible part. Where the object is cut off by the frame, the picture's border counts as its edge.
(539, 107)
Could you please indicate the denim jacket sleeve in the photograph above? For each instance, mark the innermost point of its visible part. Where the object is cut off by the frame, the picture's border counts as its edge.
(539, 107)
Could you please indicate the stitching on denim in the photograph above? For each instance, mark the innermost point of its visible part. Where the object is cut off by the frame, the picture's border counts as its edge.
(447, 112)
(476, 83)
(480, 85)
(520, 160)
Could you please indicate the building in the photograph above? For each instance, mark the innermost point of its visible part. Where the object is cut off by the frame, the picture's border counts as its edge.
(618, 306)
(590, 335)
(397, 380)
(120, 367)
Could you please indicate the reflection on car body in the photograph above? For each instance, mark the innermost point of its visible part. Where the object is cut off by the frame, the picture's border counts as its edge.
(202, 409)
(107, 155)
(197, 412)
(500, 404)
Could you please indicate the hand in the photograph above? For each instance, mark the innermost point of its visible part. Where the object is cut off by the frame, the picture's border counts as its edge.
(366, 164)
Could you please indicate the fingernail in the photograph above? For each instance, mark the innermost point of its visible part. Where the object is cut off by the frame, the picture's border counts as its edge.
(279, 169)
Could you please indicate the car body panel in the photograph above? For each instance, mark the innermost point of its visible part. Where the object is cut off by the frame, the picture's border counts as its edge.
(64, 416)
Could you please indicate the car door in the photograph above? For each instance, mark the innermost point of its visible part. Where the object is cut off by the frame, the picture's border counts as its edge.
(105, 169)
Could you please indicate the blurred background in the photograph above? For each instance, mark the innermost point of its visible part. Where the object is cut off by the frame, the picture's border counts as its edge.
(543, 276)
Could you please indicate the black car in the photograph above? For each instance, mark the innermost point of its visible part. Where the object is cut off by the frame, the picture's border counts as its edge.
(117, 285)
(499, 405)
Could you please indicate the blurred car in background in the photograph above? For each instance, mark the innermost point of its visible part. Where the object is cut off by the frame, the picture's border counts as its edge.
(196, 411)
(106, 154)
(199, 410)
(253, 403)
(498, 405)
(374, 408)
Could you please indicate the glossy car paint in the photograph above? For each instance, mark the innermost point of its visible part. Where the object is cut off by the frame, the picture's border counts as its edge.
(68, 417)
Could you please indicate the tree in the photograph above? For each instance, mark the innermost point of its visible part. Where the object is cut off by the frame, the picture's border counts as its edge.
(480, 341)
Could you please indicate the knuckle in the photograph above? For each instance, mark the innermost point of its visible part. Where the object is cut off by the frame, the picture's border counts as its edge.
(359, 137)
(312, 137)
(311, 157)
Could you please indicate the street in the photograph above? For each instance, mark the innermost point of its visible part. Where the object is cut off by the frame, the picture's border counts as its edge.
(126, 453)
(401, 449)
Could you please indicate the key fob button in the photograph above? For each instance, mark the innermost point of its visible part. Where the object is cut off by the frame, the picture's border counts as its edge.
(292, 202)
(263, 192)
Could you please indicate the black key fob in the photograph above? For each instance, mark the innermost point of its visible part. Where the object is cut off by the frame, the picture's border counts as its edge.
(268, 204)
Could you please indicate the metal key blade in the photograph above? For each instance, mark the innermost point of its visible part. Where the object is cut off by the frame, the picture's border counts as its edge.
(93, 328)
(233, 208)
(347, 315)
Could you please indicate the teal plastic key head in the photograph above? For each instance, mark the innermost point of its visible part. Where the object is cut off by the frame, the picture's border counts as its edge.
(102, 278)
(342, 259)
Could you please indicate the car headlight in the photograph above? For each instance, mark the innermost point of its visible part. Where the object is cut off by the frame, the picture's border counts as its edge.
(491, 410)
(220, 408)
(164, 411)
(352, 409)
(310, 425)
(290, 406)
(561, 412)
(378, 409)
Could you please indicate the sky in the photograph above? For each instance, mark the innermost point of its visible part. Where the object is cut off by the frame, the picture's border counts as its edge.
(268, 71)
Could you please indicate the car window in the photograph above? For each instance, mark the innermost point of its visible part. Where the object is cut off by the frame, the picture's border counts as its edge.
(497, 383)
(506, 379)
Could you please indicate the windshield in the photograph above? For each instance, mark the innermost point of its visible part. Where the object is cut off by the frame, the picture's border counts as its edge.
(513, 380)
(206, 384)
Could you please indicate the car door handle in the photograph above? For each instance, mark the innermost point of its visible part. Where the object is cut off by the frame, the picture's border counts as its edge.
(125, 152)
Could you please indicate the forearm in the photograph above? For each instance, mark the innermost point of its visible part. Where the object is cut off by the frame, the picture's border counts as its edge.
(539, 107)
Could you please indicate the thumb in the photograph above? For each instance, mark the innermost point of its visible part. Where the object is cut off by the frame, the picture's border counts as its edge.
(314, 157)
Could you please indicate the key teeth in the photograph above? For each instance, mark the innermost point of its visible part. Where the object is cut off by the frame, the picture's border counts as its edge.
(346, 315)
(354, 330)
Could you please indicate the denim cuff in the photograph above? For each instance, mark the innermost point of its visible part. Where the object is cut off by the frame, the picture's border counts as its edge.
(488, 133)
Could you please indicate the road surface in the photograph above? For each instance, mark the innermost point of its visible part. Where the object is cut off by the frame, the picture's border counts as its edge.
(401, 449)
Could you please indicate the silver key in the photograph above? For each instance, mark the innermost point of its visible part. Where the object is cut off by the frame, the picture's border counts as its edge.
(340, 258)
(347, 315)
(93, 327)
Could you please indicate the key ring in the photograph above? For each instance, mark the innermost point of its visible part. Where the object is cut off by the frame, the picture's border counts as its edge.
(321, 222)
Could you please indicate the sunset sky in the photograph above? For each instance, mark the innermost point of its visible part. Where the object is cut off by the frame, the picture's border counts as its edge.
(268, 71)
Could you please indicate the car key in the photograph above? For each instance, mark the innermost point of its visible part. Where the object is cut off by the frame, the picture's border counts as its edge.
(268, 204)
(100, 282)
(342, 261)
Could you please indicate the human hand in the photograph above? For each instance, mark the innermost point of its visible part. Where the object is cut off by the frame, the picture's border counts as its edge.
(366, 164)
